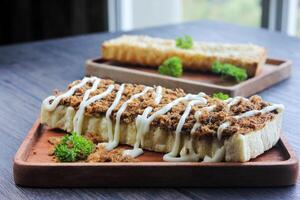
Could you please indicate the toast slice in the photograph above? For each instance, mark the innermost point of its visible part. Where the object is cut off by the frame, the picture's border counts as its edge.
(149, 51)
(185, 127)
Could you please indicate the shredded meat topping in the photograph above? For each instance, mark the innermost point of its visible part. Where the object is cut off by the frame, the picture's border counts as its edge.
(98, 155)
(210, 121)
(116, 155)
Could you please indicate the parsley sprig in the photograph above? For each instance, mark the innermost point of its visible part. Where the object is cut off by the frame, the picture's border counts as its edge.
(73, 147)
(185, 42)
(220, 95)
(229, 70)
(171, 67)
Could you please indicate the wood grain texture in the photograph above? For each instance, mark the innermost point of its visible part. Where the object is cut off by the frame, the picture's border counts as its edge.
(272, 72)
(34, 167)
(29, 73)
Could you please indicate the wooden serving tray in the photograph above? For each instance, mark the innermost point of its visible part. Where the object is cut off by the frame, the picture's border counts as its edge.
(33, 167)
(272, 72)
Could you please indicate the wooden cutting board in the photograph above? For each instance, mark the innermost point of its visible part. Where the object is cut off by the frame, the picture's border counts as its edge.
(274, 71)
(34, 167)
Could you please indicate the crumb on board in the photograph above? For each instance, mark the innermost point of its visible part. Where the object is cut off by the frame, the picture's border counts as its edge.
(99, 155)
(116, 155)
(54, 140)
(51, 151)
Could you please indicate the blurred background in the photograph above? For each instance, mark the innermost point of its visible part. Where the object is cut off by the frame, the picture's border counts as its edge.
(31, 20)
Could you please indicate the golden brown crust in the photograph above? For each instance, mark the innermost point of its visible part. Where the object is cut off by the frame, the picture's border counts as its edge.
(143, 50)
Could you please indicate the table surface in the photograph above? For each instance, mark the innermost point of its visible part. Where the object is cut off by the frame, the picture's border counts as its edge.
(29, 72)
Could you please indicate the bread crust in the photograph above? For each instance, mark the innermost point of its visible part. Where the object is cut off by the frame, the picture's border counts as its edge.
(148, 51)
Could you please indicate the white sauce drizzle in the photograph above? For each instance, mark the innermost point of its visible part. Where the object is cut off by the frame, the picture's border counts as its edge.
(136, 151)
(78, 118)
(229, 102)
(111, 145)
(55, 100)
(143, 121)
(267, 109)
(171, 156)
(219, 154)
(198, 115)
(233, 101)
(158, 95)
(109, 111)
(80, 112)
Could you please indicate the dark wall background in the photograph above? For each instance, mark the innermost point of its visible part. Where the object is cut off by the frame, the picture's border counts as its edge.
(29, 20)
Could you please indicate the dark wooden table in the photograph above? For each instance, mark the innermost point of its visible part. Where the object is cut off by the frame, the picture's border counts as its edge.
(29, 72)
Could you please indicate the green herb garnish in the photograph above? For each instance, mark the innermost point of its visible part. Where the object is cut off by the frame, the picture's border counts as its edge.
(229, 70)
(171, 67)
(185, 42)
(73, 147)
(220, 95)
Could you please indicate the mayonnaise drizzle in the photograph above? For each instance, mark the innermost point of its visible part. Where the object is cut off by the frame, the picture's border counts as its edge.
(143, 121)
(198, 115)
(109, 111)
(111, 145)
(51, 106)
(229, 103)
(171, 156)
(250, 113)
(158, 95)
(78, 118)
(166, 108)
(80, 112)
(233, 101)
(136, 151)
